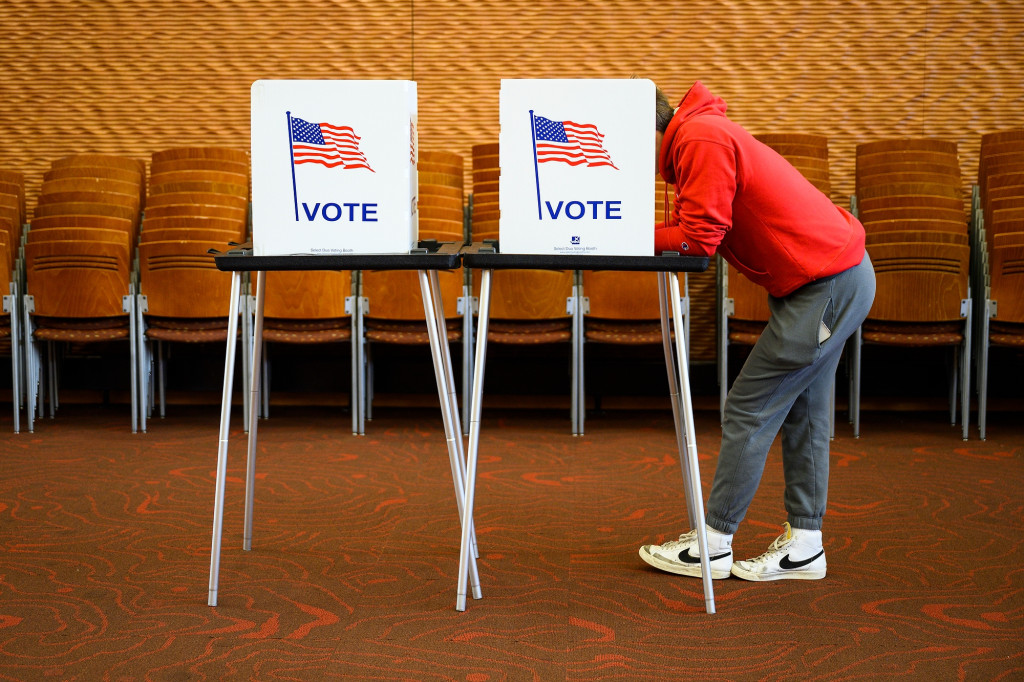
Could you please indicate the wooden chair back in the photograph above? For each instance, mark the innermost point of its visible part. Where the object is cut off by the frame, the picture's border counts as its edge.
(181, 280)
(308, 295)
(77, 279)
(1006, 267)
(919, 281)
(622, 295)
(395, 294)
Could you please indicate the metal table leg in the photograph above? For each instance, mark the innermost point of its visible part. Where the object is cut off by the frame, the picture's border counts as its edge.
(683, 413)
(222, 446)
(438, 334)
(474, 438)
(253, 406)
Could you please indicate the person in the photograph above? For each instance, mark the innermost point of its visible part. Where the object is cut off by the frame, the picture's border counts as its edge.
(739, 198)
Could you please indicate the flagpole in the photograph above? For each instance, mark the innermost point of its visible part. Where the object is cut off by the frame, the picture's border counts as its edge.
(291, 152)
(536, 171)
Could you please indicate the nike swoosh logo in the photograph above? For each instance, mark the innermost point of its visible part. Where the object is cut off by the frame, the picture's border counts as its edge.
(787, 564)
(687, 558)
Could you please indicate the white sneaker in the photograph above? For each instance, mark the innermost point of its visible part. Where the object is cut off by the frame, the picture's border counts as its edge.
(682, 556)
(794, 555)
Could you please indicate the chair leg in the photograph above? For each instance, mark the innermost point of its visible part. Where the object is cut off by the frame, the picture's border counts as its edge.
(161, 365)
(52, 375)
(954, 375)
(983, 348)
(965, 375)
(855, 402)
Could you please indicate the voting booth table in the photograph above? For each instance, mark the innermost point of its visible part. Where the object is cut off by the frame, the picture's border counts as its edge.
(334, 188)
(577, 163)
(577, 176)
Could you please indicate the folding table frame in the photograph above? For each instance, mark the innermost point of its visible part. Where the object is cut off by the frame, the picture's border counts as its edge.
(487, 258)
(428, 260)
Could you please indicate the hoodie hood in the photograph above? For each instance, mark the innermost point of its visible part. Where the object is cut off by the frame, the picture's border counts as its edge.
(698, 101)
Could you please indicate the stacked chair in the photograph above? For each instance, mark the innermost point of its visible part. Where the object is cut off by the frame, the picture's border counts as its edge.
(391, 299)
(909, 197)
(743, 313)
(623, 308)
(305, 308)
(998, 242)
(198, 200)
(80, 279)
(12, 221)
(528, 307)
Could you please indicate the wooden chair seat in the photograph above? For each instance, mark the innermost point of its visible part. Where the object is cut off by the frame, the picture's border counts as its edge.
(86, 330)
(621, 331)
(949, 334)
(307, 331)
(407, 332)
(1006, 334)
(529, 332)
(186, 330)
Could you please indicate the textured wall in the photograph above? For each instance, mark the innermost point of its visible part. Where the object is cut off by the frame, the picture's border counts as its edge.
(135, 76)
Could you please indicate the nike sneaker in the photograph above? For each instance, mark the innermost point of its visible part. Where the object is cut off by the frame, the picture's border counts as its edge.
(682, 556)
(795, 555)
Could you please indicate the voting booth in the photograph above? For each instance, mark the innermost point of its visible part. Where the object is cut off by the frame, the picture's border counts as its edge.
(577, 167)
(333, 167)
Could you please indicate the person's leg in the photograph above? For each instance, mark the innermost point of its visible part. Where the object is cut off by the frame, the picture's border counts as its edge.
(805, 430)
(784, 362)
(798, 553)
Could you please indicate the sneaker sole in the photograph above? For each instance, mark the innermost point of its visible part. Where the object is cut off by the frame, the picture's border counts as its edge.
(787, 575)
(678, 569)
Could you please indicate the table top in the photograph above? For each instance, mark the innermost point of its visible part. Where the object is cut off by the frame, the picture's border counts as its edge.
(486, 256)
(430, 255)
(434, 255)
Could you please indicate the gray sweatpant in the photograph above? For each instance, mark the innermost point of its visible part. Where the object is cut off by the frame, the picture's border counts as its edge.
(786, 383)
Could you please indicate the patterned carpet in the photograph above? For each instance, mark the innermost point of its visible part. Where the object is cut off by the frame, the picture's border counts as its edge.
(105, 542)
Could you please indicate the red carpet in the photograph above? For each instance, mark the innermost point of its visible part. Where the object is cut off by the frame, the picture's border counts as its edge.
(105, 542)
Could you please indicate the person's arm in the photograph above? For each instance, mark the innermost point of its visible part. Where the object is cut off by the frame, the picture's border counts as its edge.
(706, 177)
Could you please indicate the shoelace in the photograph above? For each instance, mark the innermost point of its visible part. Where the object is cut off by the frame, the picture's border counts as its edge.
(778, 544)
(683, 539)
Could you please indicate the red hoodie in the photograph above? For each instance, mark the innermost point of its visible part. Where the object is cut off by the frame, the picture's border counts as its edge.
(738, 196)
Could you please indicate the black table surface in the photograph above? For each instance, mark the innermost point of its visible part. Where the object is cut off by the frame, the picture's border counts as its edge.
(487, 256)
(434, 255)
(430, 255)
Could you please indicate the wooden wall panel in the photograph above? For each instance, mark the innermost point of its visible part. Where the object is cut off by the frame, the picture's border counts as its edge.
(135, 76)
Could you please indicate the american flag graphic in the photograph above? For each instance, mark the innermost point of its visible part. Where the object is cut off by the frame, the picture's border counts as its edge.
(326, 144)
(570, 142)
